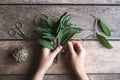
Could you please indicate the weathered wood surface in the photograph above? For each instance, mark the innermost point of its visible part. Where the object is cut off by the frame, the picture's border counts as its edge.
(91, 77)
(58, 1)
(98, 60)
(14, 77)
(101, 63)
(60, 77)
(80, 15)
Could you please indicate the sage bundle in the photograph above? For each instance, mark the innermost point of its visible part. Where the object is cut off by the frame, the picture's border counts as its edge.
(56, 33)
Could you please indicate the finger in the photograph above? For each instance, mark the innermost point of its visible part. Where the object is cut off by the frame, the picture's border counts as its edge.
(77, 44)
(63, 51)
(57, 50)
(45, 51)
(78, 47)
(71, 48)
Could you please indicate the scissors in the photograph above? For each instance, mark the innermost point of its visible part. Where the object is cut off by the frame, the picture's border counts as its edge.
(13, 32)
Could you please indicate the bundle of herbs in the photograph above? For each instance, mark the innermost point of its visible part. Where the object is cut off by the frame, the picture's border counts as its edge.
(59, 32)
(56, 33)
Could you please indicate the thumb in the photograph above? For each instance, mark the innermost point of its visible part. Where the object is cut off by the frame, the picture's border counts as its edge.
(57, 50)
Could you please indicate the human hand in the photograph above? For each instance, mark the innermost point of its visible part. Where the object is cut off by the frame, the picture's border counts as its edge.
(47, 57)
(46, 61)
(77, 54)
(77, 57)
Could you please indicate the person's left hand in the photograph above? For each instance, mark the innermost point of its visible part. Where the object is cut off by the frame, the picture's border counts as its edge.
(46, 61)
(47, 57)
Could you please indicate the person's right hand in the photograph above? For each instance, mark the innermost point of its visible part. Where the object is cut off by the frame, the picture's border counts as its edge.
(77, 54)
(77, 57)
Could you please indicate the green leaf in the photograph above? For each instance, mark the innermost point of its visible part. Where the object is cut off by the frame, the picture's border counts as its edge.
(44, 23)
(67, 36)
(46, 43)
(103, 41)
(63, 15)
(58, 24)
(64, 20)
(78, 30)
(62, 32)
(70, 23)
(50, 22)
(48, 36)
(104, 27)
(41, 30)
(67, 20)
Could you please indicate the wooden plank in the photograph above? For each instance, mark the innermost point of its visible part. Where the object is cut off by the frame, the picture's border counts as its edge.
(101, 61)
(104, 77)
(60, 77)
(15, 77)
(29, 77)
(58, 1)
(91, 77)
(80, 15)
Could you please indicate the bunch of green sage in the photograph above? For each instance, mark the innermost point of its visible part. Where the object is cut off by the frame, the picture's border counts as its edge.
(56, 33)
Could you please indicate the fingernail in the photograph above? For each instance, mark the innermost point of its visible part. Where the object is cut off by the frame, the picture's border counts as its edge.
(60, 46)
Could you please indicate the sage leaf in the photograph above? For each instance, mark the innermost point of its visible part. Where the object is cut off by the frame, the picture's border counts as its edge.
(46, 43)
(41, 30)
(69, 24)
(65, 20)
(48, 36)
(104, 27)
(60, 34)
(59, 24)
(44, 24)
(67, 37)
(50, 22)
(63, 15)
(103, 41)
(78, 30)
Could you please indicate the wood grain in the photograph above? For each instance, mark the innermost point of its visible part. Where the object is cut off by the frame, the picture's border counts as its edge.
(101, 63)
(98, 60)
(15, 77)
(60, 77)
(58, 1)
(80, 15)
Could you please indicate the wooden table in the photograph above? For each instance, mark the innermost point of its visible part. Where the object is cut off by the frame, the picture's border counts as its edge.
(101, 63)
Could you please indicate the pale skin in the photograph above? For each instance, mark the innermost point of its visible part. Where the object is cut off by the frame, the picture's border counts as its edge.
(77, 57)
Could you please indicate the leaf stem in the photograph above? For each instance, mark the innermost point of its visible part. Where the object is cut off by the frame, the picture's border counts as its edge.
(59, 54)
(95, 25)
(95, 22)
(94, 16)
